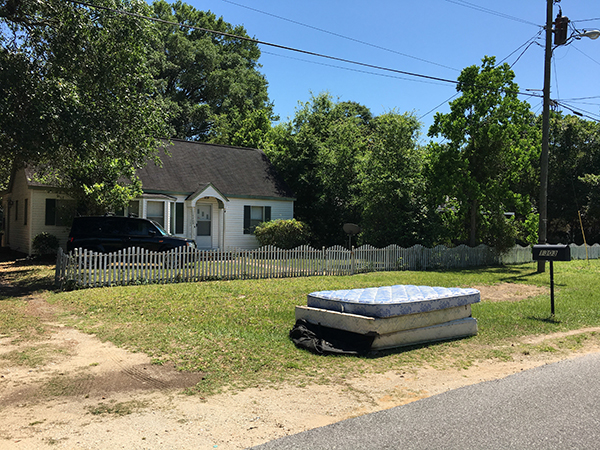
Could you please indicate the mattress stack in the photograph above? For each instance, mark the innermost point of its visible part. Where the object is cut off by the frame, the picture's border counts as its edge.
(395, 315)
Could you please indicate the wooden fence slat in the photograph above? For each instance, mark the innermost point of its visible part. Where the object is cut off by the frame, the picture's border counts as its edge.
(87, 269)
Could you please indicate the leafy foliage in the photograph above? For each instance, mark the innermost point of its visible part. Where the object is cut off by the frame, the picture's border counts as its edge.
(281, 233)
(487, 166)
(317, 154)
(211, 82)
(392, 186)
(344, 165)
(573, 186)
(45, 244)
(78, 96)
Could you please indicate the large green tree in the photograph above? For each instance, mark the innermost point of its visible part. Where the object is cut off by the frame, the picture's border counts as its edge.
(317, 154)
(573, 185)
(77, 97)
(212, 82)
(392, 195)
(344, 165)
(484, 165)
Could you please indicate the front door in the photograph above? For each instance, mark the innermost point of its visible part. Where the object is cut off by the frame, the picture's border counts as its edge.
(204, 226)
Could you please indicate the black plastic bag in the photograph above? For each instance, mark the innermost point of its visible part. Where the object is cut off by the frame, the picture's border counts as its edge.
(325, 340)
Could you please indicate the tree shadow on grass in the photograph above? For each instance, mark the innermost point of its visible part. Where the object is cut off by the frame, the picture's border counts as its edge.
(506, 274)
(549, 319)
(21, 277)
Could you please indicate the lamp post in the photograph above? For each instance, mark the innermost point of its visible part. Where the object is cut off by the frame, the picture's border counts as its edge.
(592, 34)
(543, 207)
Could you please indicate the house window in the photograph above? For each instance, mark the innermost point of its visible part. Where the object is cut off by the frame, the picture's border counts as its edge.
(50, 211)
(132, 210)
(156, 211)
(16, 210)
(176, 218)
(253, 215)
(25, 207)
(59, 212)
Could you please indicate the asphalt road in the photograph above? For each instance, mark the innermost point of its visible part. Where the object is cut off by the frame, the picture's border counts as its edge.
(556, 406)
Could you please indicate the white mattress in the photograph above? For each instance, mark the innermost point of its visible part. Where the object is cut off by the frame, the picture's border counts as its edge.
(448, 330)
(390, 301)
(379, 326)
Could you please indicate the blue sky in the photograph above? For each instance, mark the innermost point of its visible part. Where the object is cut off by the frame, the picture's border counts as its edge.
(436, 38)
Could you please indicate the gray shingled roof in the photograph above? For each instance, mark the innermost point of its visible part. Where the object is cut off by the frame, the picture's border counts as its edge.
(234, 171)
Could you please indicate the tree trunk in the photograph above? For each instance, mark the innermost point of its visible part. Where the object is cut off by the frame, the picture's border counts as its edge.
(473, 232)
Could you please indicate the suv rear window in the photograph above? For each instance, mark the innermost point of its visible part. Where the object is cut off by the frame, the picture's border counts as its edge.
(85, 227)
(97, 226)
(139, 228)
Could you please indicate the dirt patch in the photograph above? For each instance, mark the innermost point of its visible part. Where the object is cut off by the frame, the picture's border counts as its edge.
(93, 395)
(509, 292)
(80, 366)
(14, 271)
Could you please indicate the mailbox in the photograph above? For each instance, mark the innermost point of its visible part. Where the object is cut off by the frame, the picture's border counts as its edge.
(551, 253)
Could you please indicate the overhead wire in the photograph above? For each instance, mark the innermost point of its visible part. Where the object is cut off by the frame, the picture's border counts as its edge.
(306, 52)
(354, 70)
(527, 44)
(578, 112)
(585, 20)
(582, 98)
(580, 102)
(436, 107)
(270, 44)
(556, 80)
(587, 56)
(340, 35)
(492, 12)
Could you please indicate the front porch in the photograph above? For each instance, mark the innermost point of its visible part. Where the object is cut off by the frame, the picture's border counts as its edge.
(199, 216)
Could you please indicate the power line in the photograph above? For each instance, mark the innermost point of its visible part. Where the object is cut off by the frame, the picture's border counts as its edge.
(582, 103)
(436, 107)
(556, 80)
(528, 44)
(270, 44)
(585, 20)
(587, 56)
(583, 98)
(283, 47)
(354, 70)
(586, 114)
(491, 11)
(522, 53)
(339, 35)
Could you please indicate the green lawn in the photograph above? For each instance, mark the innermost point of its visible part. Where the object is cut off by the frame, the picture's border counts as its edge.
(237, 331)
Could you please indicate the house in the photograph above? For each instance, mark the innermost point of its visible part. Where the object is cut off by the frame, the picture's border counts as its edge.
(215, 194)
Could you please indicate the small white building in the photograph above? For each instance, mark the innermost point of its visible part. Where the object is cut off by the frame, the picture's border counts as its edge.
(215, 194)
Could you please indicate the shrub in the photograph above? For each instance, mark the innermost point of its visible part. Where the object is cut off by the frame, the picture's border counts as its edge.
(45, 244)
(284, 234)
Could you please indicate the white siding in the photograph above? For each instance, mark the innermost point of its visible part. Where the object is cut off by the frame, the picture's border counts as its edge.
(234, 220)
(19, 234)
(227, 226)
(38, 217)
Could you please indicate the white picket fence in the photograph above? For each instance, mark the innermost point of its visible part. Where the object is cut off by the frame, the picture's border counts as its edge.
(83, 268)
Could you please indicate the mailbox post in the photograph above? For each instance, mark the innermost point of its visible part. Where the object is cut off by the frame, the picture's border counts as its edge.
(551, 253)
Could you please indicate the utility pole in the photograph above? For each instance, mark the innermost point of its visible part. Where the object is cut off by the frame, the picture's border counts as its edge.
(543, 224)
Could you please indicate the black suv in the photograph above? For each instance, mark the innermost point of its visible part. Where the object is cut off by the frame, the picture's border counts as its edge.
(109, 234)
